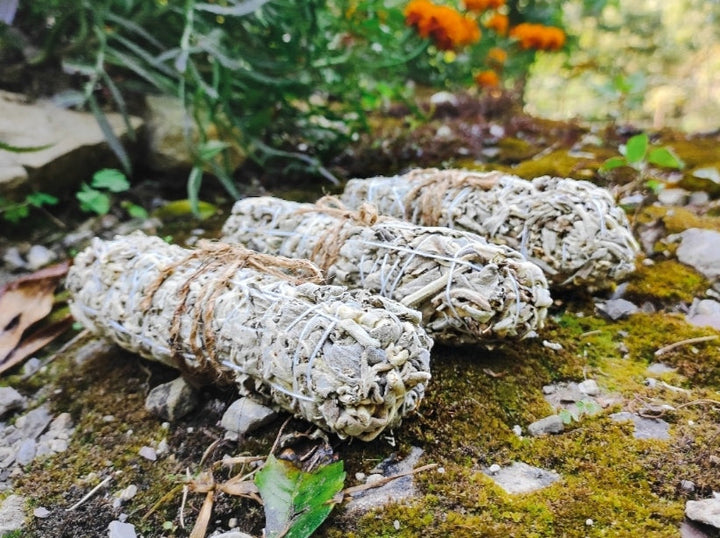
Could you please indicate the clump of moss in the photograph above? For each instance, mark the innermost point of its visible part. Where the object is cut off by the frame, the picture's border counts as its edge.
(676, 219)
(666, 281)
(557, 163)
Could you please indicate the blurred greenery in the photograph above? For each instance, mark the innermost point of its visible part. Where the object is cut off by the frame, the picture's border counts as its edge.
(649, 62)
(292, 83)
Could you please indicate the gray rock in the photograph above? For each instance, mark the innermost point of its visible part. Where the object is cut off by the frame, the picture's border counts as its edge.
(246, 415)
(39, 256)
(148, 453)
(394, 491)
(704, 313)
(705, 511)
(589, 387)
(31, 366)
(522, 478)
(10, 399)
(545, 426)
(700, 249)
(615, 309)
(673, 197)
(660, 368)
(645, 428)
(26, 451)
(34, 422)
(118, 529)
(171, 401)
(76, 145)
(167, 123)
(699, 198)
(41, 512)
(7, 456)
(12, 514)
(687, 485)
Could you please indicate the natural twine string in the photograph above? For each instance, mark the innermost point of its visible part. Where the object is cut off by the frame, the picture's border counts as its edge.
(228, 259)
(328, 247)
(433, 185)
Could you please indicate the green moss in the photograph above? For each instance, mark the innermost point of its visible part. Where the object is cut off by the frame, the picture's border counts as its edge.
(557, 163)
(676, 219)
(666, 281)
(513, 150)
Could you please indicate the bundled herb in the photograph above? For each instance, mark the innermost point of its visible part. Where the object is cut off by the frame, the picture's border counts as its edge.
(467, 290)
(572, 229)
(350, 362)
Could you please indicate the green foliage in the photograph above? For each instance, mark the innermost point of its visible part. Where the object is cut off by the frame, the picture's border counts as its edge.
(16, 211)
(296, 502)
(96, 197)
(287, 84)
(639, 154)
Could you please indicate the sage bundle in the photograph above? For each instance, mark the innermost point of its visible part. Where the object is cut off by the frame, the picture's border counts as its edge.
(350, 362)
(467, 290)
(572, 229)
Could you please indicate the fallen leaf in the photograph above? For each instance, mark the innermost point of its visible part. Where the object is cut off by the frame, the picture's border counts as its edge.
(35, 341)
(296, 502)
(24, 302)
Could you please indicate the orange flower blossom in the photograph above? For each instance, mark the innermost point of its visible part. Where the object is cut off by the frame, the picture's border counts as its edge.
(487, 79)
(444, 25)
(499, 23)
(537, 36)
(482, 5)
(496, 56)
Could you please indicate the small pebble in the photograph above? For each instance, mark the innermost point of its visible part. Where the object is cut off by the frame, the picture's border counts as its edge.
(687, 485)
(148, 453)
(494, 469)
(396, 524)
(41, 512)
(360, 477)
(544, 426)
(589, 522)
(589, 387)
(517, 430)
(119, 529)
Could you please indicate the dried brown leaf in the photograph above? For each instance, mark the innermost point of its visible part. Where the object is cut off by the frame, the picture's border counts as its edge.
(35, 341)
(201, 524)
(24, 302)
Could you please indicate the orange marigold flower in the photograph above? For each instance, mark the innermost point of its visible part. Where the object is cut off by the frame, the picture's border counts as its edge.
(483, 5)
(537, 36)
(444, 25)
(487, 79)
(496, 56)
(499, 23)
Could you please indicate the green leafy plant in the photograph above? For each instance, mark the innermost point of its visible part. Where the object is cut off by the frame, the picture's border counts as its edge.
(640, 155)
(16, 211)
(297, 502)
(97, 196)
(582, 408)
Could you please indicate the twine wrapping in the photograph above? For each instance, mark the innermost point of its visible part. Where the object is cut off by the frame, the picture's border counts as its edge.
(348, 361)
(468, 291)
(572, 229)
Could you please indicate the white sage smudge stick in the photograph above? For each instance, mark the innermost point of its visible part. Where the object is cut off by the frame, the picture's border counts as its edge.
(572, 229)
(468, 290)
(351, 362)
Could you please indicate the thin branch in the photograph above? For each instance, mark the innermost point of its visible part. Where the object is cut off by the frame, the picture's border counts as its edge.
(697, 340)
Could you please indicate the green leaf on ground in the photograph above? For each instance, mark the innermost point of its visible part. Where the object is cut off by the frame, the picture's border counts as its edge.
(110, 179)
(296, 503)
(636, 148)
(612, 163)
(93, 200)
(39, 199)
(666, 158)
